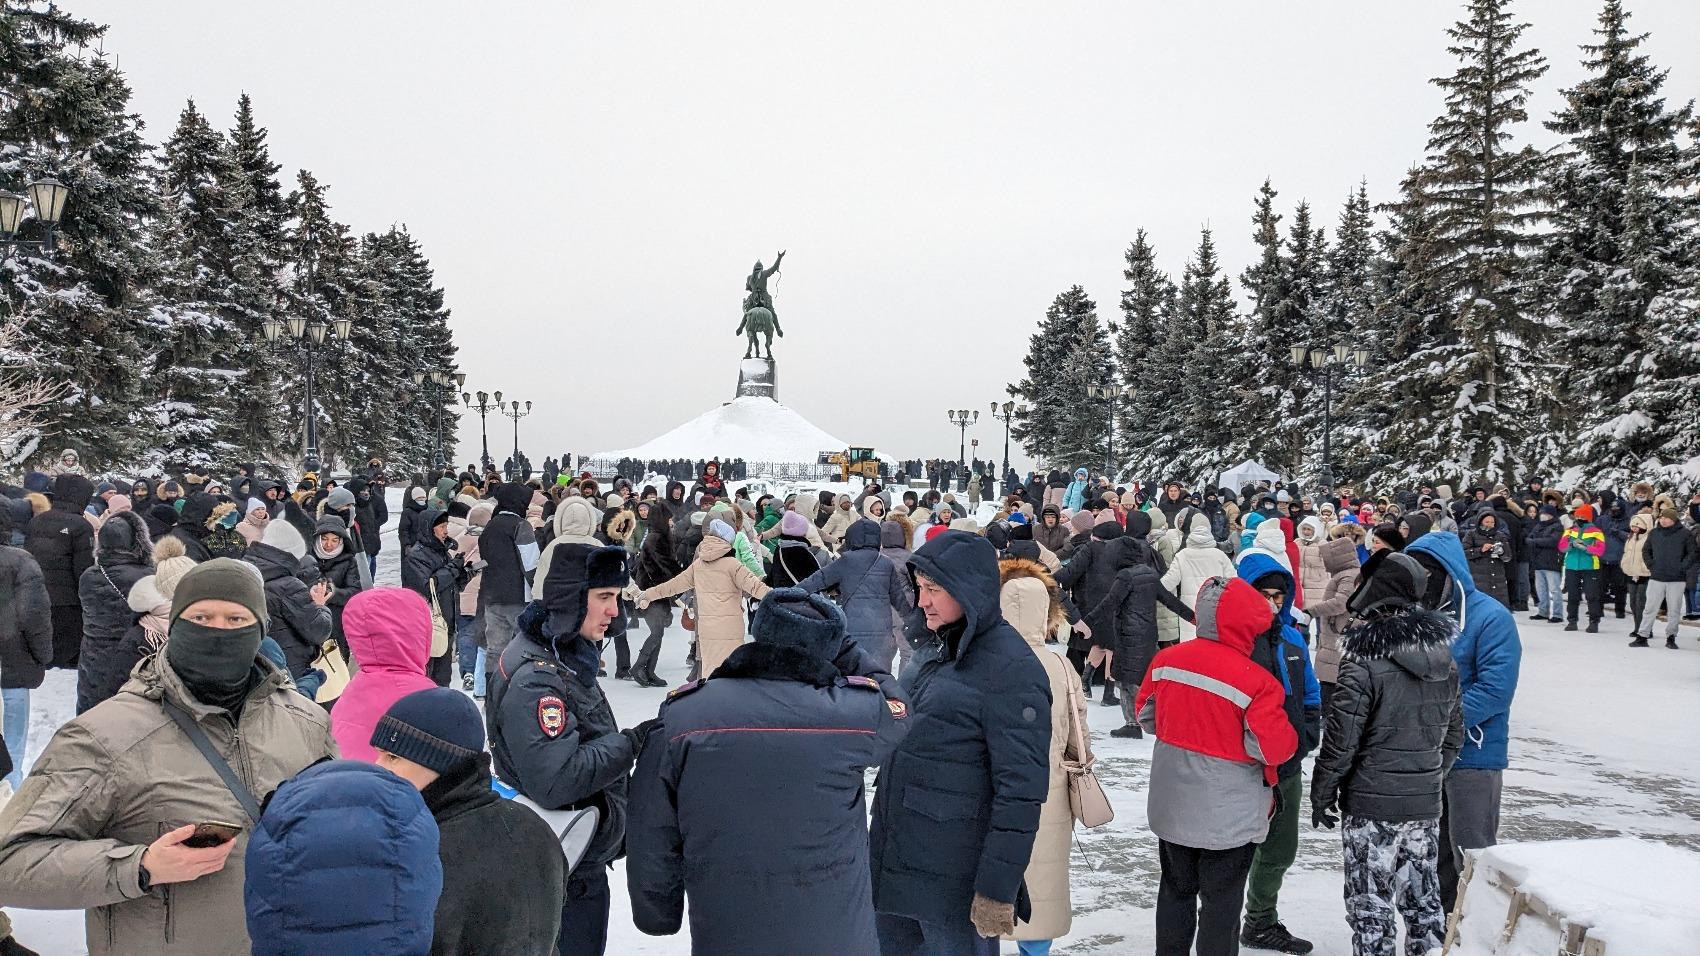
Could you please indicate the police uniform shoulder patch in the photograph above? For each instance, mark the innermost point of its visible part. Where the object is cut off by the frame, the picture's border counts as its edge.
(898, 708)
(551, 716)
(866, 683)
(686, 688)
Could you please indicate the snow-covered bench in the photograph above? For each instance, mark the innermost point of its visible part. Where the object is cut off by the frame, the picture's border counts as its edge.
(1610, 897)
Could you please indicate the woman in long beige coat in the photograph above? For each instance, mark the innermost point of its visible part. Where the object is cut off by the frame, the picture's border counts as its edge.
(1032, 605)
(721, 582)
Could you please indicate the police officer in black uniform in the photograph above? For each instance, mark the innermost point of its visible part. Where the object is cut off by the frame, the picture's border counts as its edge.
(552, 734)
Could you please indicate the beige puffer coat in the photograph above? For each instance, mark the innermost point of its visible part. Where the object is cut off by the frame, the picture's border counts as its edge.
(838, 522)
(1313, 577)
(1340, 559)
(1031, 605)
(113, 780)
(721, 582)
(1196, 562)
(1634, 558)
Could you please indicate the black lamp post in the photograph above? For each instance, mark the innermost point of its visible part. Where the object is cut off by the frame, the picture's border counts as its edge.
(960, 418)
(436, 387)
(1109, 394)
(513, 411)
(1323, 362)
(47, 200)
(483, 408)
(1007, 413)
(306, 339)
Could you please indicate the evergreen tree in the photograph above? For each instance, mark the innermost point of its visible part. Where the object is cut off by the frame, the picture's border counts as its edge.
(1217, 376)
(1480, 197)
(1623, 234)
(1060, 416)
(79, 315)
(325, 284)
(1293, 318)
(1343, 315)
(1147, 304)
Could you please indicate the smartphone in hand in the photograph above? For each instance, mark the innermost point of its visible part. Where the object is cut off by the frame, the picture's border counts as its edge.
(212, 834)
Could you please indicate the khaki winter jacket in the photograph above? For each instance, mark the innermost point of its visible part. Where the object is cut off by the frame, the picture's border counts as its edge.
(113, 780)
(1340, 560)
(1030, 604)
(721, 582)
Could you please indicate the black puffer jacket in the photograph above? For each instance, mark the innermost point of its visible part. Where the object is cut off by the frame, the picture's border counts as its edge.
(1090, 575)
(104, 590)
(26, 620)
(1397, 721)
(191, 527)
(1541, 545)
(1128, 614)
(62, 540)
(1490, 568)
(1670, 552)
(341, 571)
(298, 625)
(657, 561)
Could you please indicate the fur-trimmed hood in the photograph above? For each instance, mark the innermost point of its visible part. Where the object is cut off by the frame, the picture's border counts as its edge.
(1413, 637)
(1016, 598)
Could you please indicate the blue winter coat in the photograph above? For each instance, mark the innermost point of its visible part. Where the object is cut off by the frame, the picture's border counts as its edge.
(343, 861)
(1616, 529)
(957, 806)
(1290, 662)
(749, 798)
(1488, 652)
(1075, 497)
(870, 586)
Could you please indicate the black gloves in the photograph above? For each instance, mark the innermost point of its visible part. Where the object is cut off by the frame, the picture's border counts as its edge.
(1320, 817)
(639, 735)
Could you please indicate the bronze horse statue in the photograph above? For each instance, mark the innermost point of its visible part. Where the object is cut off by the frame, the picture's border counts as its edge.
(759, 320)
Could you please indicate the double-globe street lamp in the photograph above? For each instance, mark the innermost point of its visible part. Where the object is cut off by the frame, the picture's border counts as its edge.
(1007, 413)
(513, 411)
(1109, 394)
(1324, 362)
(46, 199)
(306, 338)
(960, 417)
(436, 386)
(483, 408)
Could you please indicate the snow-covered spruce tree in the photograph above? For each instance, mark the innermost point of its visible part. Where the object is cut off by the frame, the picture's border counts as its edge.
(1218, 375)
(1057, 410)
(1293, 318)
(215, 288)
(1623, 236)
(1147, 305)
(325, 283)
(1088, 363)
(408, 333)
(1267, 338)
(1343, 314)
(1480, 196)
(77, 316)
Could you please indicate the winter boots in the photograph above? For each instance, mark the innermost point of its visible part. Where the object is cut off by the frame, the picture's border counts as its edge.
(1640, 641)
(1110, 699)
(1129, 732)
(1275, 937)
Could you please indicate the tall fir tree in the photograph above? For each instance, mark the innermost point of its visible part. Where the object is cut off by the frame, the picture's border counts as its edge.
(1345, 315)
(1481, 198)
(1060, 416)
(81, 313)
(1292, 319)
(1218, 377)
(1623, 235)
(1147, 305)
(325, 283)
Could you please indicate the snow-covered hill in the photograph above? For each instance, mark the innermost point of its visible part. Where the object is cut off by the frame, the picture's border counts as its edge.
(751, 428)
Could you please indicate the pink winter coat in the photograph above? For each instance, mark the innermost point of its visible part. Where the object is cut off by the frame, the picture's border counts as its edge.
(389, 632)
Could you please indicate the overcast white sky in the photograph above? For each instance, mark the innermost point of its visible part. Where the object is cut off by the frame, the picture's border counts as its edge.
(593, 181)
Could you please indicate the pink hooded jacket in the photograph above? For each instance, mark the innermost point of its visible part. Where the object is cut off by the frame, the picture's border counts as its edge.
(389, 632)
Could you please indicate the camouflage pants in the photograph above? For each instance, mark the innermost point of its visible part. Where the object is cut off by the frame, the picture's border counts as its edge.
(1392, 865)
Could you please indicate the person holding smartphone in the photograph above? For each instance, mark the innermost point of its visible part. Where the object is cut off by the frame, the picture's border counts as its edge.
(124, 817)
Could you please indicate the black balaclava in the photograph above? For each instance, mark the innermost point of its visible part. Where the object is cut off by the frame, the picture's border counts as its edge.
(217, 665)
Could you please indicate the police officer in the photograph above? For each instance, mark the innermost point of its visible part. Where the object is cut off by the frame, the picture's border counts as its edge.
(749, 797)
(552, 734)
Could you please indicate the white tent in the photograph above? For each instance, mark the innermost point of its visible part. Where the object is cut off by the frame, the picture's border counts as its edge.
(1245, 473)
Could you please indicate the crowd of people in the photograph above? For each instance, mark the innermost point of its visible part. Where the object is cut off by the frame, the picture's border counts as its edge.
(240, 670)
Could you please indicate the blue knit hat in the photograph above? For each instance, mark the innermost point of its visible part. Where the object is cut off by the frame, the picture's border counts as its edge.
(437, 728)
(795, 618)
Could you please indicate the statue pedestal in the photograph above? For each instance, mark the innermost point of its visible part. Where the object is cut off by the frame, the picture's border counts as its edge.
(758, 377)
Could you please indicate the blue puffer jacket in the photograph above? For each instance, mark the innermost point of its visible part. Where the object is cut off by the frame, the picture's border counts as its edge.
(1290, 663)
(870, 587)
(957, 805)
(1488, 652)
(344, 861)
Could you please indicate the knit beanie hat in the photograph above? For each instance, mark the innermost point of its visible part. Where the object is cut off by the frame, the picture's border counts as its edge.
(167, 574)
(1080, 521)
(283, 536)
(1583, 512)
(1389, 534)
(1669, 512)
(257, 504)
(793, 524)
(339, 498)
(438, 729)
(794, 617)
(721, 529)
(223, 579)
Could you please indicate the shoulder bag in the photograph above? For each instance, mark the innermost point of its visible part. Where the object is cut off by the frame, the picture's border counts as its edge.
(1086, 798)
(198, 737)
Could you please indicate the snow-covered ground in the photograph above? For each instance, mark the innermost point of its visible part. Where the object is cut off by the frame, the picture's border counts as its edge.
(751, 427)
(1603, 745)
